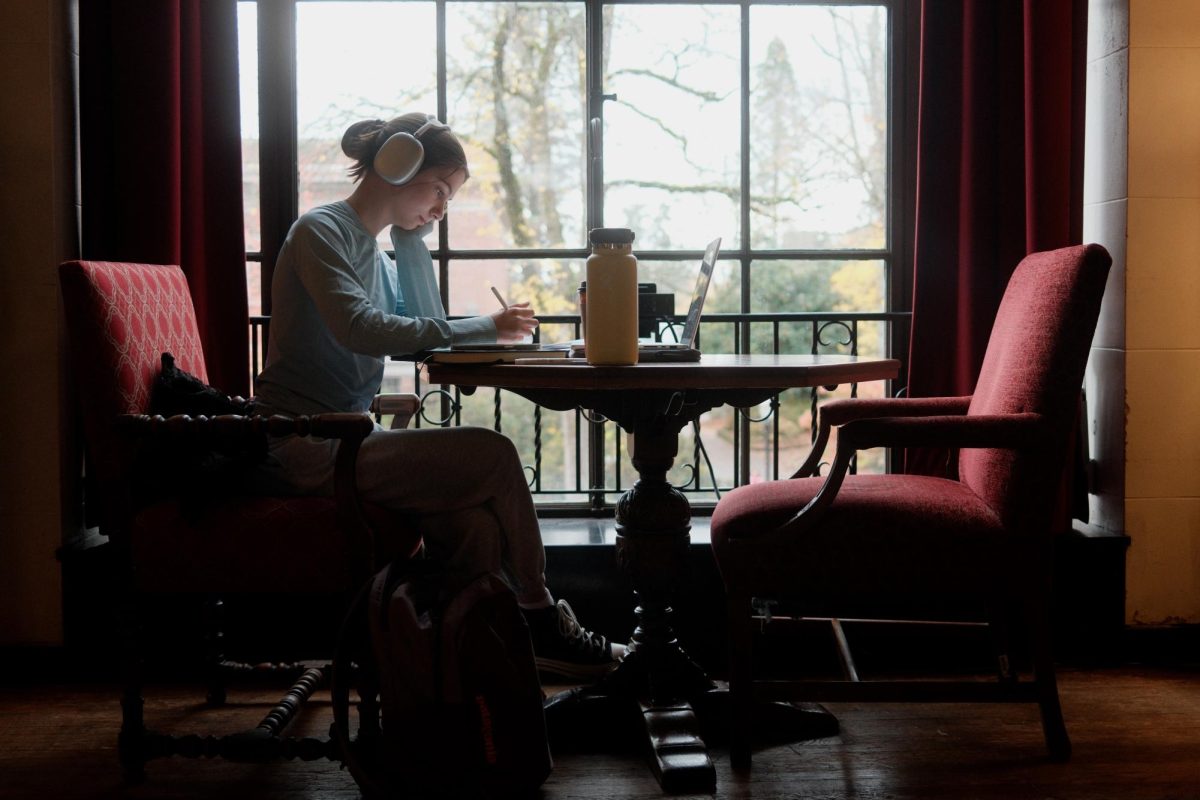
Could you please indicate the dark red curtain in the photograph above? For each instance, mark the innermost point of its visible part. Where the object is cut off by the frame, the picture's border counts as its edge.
(999, 172)
(160, 156)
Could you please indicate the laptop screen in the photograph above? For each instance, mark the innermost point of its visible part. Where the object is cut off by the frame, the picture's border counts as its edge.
(691, 325)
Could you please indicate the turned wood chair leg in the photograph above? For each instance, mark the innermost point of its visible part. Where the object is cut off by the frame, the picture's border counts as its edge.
(741, 690)
(214, 649)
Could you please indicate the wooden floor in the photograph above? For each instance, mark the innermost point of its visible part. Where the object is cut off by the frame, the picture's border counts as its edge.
(1136, 734)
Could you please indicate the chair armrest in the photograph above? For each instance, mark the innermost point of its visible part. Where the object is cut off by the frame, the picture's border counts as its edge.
(840, 412)
(234, 428)
(1010, 431)
(401, 408)
(251, 431)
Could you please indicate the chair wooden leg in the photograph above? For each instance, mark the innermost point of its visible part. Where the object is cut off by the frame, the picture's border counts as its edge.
(741, 692)
(131, 741)
(1054, 728)
(1000, 628)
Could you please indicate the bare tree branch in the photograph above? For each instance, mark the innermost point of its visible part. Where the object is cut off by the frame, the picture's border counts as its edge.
(674, 82)
(731, 192)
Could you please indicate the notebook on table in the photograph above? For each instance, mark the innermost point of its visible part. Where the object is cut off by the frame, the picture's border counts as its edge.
(485, 353)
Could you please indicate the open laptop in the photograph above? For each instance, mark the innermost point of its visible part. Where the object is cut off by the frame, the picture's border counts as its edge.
(685, 348)
(648, 351)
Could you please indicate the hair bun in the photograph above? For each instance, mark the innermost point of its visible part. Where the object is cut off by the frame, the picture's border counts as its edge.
(359, 138)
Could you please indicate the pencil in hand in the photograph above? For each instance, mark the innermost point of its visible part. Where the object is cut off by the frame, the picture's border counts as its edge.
(500, 297)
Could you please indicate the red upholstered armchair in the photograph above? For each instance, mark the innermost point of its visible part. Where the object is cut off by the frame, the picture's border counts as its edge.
(858, 546)
(177, 536)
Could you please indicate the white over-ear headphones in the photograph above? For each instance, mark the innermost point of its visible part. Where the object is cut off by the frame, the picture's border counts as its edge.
(401, 156)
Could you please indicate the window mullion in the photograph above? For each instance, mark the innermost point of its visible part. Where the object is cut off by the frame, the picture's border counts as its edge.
(442, 113)
(593, 135)
(742, 466)
(278, 156)
(744, 193)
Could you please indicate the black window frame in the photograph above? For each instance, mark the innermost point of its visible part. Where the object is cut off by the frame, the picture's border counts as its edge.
(279, 172)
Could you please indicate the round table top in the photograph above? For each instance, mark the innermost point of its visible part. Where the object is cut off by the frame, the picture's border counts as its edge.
(713, 371)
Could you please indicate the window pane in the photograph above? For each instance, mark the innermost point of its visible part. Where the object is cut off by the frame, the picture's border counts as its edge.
(796, 286)
(817, 286)
(516, 95)
(679, 278)
(671, 141)
(552, 435)
(818, 126)
(551, 285)
(356, 61)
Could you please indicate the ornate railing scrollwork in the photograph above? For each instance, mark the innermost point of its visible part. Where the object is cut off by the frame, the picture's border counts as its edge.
(851, 339)
(453, 408)
(598, 462)
(693, 477)
(745, 413)
(594, 417)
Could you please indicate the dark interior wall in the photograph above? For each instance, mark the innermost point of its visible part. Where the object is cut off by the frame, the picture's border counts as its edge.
(39, 209)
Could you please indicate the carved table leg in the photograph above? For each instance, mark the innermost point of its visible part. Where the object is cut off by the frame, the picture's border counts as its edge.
(656, 679)
(653, 522)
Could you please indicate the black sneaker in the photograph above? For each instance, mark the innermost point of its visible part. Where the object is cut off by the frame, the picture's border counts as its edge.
(563, 648)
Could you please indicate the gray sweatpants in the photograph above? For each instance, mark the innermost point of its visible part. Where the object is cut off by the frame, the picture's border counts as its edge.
(455, 480)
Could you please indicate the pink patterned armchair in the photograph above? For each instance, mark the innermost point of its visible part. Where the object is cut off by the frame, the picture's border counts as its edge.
(862, 546)
(178, 538)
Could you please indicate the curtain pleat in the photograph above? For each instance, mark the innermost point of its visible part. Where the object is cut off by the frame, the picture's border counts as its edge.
(160, 156)
(999, 155)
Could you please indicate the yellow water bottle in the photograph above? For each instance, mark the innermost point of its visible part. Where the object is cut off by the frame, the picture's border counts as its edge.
(610, 337)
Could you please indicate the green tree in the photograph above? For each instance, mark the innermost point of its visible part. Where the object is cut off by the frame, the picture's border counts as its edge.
(779, 177)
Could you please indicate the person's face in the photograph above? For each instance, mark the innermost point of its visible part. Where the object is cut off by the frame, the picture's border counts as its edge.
(426, 196)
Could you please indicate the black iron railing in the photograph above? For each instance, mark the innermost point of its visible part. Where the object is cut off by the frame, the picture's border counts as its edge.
(576, 460)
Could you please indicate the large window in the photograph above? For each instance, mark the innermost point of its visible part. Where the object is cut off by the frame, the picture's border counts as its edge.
(777, 126)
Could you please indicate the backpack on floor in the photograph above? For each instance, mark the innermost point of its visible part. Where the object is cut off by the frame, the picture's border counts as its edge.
(459, 702)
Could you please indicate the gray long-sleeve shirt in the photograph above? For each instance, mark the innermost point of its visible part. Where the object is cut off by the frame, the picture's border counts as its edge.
(339, 307)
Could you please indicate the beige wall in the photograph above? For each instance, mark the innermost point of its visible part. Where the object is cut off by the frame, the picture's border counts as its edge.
(1143, 202)
(38, 212)
(1162, 471)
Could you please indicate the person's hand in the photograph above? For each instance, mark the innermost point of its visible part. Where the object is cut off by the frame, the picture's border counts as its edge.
(514, 323)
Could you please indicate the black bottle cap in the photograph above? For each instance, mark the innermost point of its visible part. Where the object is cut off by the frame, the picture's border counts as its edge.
(610, 236)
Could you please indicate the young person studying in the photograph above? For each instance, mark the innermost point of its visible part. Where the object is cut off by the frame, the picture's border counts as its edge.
(339, 307)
